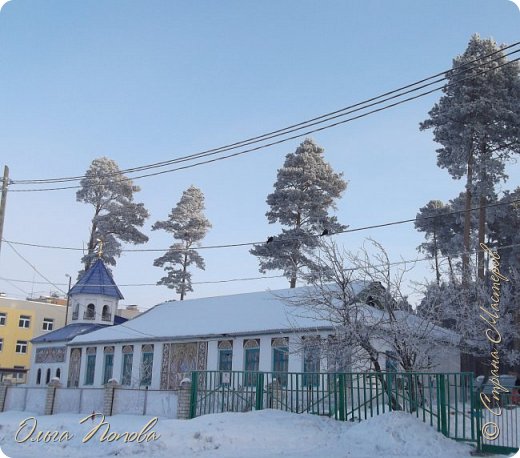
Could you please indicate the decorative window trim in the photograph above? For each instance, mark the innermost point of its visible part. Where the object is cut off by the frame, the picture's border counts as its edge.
(251, 343)
(225, 345)
(109, 349)
(147, 348)
(128, 349)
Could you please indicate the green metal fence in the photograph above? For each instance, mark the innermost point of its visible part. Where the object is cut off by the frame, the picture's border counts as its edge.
(447, 401)
(501, 419)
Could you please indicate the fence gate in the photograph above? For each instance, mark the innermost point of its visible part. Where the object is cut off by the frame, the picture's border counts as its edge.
(446, 401)
(499, 426)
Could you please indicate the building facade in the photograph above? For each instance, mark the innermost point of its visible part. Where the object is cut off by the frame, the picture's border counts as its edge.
(20, 322)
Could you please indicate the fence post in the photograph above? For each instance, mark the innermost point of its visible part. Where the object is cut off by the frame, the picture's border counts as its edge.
(389, 389)
(341, 388)
(108, 401)
(476, 414)
(51, 396)
(3, 393)
(185, 405)
(442, 404)
(259, 401)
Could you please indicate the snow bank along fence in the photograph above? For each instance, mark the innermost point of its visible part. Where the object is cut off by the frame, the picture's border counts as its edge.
(446, 401)
(111, 400)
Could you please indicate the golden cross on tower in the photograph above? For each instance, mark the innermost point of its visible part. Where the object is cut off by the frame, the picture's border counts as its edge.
(100, 248)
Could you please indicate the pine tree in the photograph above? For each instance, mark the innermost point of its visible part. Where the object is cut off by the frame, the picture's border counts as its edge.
(116, 216)
(305, 189)
(477, 122)
(188, 224)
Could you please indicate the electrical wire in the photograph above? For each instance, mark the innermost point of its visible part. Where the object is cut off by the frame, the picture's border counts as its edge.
(303, 123)
(265, 137)
(285, 239)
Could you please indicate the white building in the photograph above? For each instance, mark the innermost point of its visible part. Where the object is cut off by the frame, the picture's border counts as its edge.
(252, 331)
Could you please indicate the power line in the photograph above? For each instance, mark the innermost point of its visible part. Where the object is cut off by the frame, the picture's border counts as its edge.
(285, 131)
(33, 267)
(123, 285)
(395, 263)
(234, 245)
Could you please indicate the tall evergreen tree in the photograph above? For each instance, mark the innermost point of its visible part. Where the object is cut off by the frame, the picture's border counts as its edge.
(305, 190)
(477, 122)
(116, 216)
(188, 224)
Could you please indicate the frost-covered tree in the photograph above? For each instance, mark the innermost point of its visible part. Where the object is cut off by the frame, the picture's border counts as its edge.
(367, 329)
(189, 226)
(116, 216)
(504, 234)
(477, 122)
(449, 306)
(305, 190)
(434, 220)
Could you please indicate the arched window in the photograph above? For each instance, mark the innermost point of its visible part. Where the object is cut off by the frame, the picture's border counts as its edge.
(48, 376)
(58, 372)
(90, 313)
(105, 315)
(75, 312)
(38, 377)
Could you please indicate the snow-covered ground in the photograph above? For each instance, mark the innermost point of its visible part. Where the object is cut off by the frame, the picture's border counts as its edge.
(266, 433)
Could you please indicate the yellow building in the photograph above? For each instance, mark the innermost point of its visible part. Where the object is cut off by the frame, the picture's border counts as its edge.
(20, 321)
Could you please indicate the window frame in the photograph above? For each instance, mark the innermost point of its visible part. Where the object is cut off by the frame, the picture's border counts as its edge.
(3, 319)
(47, 321)
(21, 344)
(127, 364)
(90, 369)
(108, 367)
(145, 379)
(24, 321)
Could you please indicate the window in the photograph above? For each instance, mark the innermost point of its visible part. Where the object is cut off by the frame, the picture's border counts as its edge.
(21, 346)
(3, 319)
(38, 377)
(75, 313)
(252, 359)
(146, 365)
(225, 357)
(91, 365)
(48, 324)
(106, 315)
(90, 313)
(280, 348)
(128, 357)
(311, 361)
(1, 344)
(109, 364)
(25, 321)
(48, 377)
(58, 372)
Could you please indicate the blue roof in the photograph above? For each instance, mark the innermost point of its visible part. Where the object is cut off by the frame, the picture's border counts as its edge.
(97, 280)
(72, 330)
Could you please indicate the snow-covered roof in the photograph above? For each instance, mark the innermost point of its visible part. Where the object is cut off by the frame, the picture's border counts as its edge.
(97, 280)
(72, 330)
(257, 312)
(241, 314)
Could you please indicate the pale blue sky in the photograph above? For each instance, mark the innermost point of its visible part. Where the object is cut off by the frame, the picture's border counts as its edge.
(145, 81)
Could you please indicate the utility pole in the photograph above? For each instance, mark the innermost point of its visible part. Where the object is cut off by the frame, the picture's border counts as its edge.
(3, 200)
